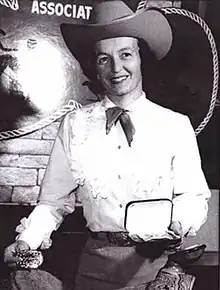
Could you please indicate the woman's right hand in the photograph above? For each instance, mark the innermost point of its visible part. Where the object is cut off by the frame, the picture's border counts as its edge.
(10, 252)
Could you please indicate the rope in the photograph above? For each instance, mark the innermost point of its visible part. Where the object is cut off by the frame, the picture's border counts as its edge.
(72, 105)
(13, 4)
(141, 5)
(213, 102)
(208, 32)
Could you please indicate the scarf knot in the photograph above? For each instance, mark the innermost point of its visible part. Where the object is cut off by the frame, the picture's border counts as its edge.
(115, 114)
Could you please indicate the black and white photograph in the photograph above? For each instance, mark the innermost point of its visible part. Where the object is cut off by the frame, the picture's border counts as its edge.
(109, 144)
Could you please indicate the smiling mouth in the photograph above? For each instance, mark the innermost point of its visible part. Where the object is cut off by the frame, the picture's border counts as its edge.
(118, 80)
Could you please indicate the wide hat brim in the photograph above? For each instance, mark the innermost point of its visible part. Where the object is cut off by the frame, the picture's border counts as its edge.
(149, 25)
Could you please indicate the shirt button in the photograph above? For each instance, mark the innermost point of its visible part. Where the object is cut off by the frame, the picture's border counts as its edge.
(119, 146)
(120, 205)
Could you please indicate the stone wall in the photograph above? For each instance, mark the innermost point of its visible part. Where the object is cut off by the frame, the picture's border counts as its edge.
(23, 163)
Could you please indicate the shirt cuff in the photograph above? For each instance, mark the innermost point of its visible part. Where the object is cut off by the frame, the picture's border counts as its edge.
(38, 226)
(191, 212)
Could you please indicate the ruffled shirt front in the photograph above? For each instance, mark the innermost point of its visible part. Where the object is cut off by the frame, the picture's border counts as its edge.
(162, 162)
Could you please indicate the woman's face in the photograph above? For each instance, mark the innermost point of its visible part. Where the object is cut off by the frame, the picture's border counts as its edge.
(118, 65)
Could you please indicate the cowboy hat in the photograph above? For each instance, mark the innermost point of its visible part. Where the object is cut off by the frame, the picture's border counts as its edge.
(111, 19)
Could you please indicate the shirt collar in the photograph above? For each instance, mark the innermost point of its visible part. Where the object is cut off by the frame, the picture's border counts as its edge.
(136, 105)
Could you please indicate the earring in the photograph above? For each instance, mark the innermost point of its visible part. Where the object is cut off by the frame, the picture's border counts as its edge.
(98, 77)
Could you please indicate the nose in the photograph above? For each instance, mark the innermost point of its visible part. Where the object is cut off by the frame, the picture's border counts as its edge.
(116, 64)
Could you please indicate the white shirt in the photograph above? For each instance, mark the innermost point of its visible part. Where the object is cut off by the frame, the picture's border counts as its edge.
(162, 162)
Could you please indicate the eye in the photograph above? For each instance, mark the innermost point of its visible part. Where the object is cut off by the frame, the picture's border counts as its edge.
(101, 60)
(126, 55)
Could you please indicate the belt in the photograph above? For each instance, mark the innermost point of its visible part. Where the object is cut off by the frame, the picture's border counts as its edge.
(120, 239)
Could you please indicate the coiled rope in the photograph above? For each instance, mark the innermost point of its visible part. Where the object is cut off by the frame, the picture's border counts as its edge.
(208, 32)
(213, 101)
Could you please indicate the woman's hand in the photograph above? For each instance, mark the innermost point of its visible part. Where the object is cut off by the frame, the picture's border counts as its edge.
(10, 252)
